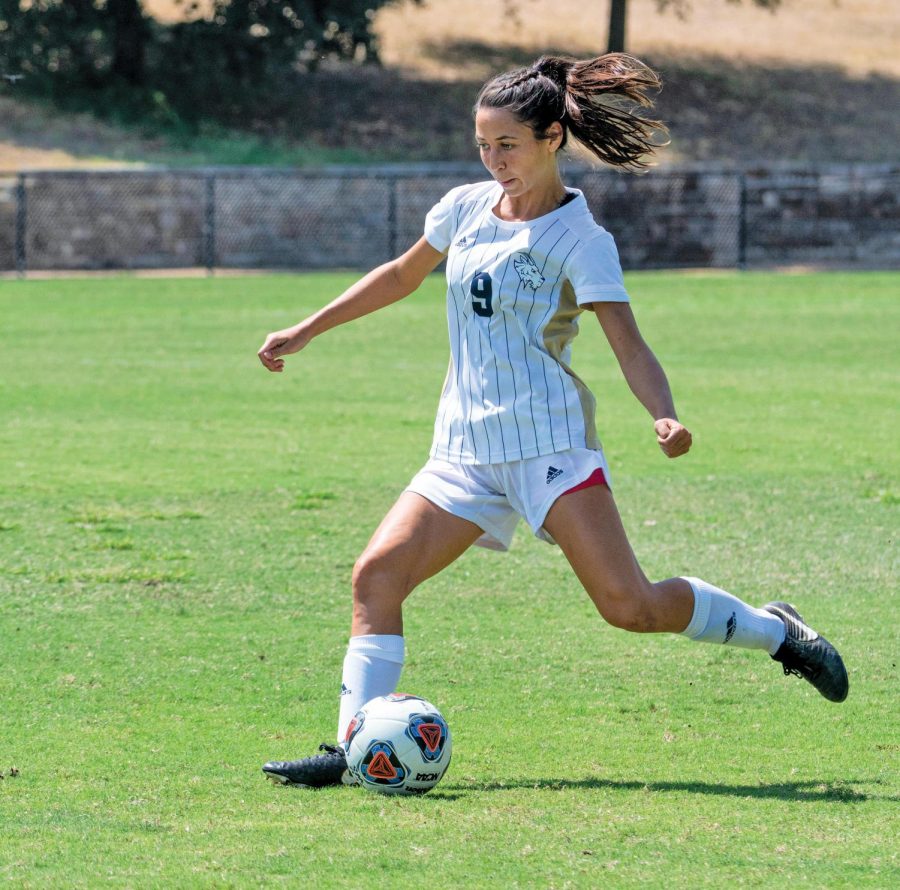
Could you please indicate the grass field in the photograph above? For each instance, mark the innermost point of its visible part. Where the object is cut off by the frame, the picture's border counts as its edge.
(177, 529)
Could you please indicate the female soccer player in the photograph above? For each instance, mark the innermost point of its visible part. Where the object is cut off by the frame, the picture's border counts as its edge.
(514, 435)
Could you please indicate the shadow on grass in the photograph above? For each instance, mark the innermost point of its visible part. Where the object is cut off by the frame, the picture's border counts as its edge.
(720, 108)
(810, 791)
(717, 108)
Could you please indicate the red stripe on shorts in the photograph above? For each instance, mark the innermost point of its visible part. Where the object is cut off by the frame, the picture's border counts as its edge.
(596, 478)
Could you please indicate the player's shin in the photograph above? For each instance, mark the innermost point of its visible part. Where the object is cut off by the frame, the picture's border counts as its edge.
(722, 618)
(372, 667)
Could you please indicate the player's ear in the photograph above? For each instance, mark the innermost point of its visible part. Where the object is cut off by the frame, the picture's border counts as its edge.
(554, 134)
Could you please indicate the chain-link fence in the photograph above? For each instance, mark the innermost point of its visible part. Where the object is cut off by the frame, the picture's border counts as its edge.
(359, 217)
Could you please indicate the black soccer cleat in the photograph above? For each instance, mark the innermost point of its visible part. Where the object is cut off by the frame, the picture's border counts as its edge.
(809, 655)
(319, 771)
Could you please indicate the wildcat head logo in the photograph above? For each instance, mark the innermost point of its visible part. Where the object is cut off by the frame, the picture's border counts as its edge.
(529, 274)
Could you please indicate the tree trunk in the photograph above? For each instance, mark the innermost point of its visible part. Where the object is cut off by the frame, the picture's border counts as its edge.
(130, 33)
(616, 42)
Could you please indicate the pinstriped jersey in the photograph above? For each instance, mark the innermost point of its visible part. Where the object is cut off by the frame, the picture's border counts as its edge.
(514, 294)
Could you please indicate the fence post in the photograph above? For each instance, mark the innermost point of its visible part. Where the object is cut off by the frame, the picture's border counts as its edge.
(209, 224)
(21, 226)
(393, 234)
(742, 221)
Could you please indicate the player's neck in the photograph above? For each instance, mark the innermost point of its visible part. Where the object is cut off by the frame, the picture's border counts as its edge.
(534, 203)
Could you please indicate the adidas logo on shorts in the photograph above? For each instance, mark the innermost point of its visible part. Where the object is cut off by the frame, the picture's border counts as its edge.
(553, 473)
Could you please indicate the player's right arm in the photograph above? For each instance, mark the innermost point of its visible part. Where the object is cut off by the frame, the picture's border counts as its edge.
(379, 288)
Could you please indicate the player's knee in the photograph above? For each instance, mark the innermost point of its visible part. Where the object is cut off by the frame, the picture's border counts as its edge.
(624, 607)
(377, 576)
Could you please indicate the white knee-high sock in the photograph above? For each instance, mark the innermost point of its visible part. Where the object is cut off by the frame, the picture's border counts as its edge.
(720, 617)
(372, 667)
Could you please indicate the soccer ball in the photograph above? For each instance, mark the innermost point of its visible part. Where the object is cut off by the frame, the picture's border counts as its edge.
(398, 744)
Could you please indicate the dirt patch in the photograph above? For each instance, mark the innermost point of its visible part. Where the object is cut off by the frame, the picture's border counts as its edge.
(859, 37)
(34, 136)
(717, 109)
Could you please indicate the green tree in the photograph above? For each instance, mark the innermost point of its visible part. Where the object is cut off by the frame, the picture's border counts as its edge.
(67, 47)
(618, 10)
(74, 43)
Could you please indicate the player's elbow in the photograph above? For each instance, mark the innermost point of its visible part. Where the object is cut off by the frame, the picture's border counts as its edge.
(403, 283)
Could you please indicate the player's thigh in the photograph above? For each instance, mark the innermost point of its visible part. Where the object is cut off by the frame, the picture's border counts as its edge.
(587, 527)
(415, 540)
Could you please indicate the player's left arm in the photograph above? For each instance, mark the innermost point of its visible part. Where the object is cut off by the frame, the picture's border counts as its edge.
(644, 375)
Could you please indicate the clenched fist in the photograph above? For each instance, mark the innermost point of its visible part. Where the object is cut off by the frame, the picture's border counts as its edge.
(674, 438)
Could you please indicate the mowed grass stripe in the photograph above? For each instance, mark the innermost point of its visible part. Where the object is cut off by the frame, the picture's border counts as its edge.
(177, 530)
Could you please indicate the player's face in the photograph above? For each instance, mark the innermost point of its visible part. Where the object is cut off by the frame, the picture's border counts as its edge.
(513, 155)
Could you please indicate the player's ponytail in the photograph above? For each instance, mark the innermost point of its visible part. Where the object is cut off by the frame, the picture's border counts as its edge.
(597, 101)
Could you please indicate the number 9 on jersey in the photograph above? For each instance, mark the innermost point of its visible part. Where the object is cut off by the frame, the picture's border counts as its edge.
(482, 295)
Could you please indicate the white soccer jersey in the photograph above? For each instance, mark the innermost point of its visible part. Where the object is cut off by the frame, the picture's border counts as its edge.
(515, 290)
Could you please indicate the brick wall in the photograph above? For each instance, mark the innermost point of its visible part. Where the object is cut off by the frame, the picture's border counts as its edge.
(846, 215)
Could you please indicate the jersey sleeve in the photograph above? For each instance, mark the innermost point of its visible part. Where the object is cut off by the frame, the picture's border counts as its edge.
(441, 221)
(595, 272)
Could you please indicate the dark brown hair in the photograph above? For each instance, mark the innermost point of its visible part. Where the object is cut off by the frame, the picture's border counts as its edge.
(596, 100)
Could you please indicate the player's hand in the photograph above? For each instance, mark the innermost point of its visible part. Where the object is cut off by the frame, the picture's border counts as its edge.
(673, 438)
(281, 343)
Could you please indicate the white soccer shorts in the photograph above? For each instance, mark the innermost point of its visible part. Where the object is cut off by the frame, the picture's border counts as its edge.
(496, 496)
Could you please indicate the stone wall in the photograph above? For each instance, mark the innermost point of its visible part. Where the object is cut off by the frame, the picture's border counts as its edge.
(833, 216)
(670, 220)
(356, 218)
(110, 220)
(282, 219)
(8, 222)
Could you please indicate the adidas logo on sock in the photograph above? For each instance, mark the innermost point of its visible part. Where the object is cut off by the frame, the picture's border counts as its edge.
(730, 627)
(344, 689)
(553, 473)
